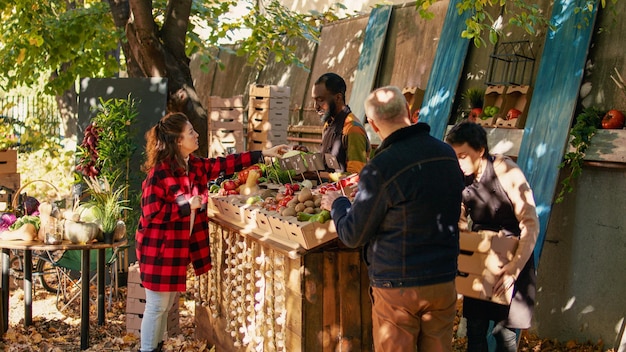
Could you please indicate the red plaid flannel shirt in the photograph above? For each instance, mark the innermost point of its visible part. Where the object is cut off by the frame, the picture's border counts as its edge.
(164, 245)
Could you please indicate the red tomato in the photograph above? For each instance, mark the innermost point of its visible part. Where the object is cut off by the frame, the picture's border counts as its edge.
(229, 185)
(613, 119)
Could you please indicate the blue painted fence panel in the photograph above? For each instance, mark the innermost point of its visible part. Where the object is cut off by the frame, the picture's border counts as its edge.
(446, 72)
(369, 59)
(553, 104)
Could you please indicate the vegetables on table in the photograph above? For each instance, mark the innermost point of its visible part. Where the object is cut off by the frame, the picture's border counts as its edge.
(251, 186)
(320, 217)
(26, 232)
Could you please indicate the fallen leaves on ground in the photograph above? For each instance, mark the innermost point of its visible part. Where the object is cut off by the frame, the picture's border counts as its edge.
(52, 331)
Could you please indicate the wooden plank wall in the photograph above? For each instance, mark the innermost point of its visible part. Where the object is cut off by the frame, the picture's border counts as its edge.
(410, 46)
(338, 51)
(557, 84)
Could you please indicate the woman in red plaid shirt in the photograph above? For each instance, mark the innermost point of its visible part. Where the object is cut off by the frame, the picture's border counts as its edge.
(174, 194)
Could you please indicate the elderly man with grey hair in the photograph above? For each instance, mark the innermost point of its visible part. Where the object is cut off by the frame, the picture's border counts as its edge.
(405, 218)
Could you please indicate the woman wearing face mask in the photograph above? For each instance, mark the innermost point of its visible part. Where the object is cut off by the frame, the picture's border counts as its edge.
(497, 198)
(173, 228)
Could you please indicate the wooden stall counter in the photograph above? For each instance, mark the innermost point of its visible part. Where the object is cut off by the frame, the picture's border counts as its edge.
(267, 294)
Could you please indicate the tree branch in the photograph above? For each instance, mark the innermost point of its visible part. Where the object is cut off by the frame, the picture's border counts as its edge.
(149, 54)
(174, 29)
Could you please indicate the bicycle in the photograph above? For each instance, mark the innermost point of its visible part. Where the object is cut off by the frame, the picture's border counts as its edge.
(43, 269)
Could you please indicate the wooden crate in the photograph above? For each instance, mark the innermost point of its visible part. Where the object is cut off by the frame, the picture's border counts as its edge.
(269, 91)
(8, 161)
(268, 103)
(219, 103)
(482, 255)
(10, 181)
(273, 116)
(234, 115)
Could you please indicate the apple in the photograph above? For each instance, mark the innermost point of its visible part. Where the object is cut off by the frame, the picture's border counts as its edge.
(613, 119)
(513, 114)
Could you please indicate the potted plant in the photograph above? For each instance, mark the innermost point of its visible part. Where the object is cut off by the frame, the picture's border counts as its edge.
(109, 201)
(475, 98)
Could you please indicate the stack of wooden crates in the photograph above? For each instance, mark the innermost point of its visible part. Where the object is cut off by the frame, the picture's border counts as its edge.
(9, 178)
(226, 135)
(136, 302)
(268, 116)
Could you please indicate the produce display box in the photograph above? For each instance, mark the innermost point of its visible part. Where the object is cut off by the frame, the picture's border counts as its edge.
(310, 234)
(269, 91)
(494, 96)
(482, 253)
(8, 161)
(517, 97)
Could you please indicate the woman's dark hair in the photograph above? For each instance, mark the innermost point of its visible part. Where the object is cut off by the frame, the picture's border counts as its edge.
(471, 133)
(162, 141)
(333, 83)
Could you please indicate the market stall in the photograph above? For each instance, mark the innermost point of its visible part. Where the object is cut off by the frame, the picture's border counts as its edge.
(281, 282)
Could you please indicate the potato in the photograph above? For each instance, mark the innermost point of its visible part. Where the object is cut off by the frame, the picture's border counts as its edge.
(304, 195)
(289, 211)
(309, 204)
(300, 207)
(309, 210)
(317, 202)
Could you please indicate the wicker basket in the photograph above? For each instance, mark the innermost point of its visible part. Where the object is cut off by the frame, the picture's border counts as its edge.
(19, 191)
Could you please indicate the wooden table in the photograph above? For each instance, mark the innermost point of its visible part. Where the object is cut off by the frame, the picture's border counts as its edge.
(28, 247)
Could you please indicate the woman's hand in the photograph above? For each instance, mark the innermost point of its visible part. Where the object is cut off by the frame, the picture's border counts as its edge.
(276, 151)
(504, 283)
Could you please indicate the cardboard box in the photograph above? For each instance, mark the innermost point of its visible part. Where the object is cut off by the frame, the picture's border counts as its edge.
(279, 227)
(310, 234)
(482, 254)
(8, 161)
(494, 96)
(269, 91)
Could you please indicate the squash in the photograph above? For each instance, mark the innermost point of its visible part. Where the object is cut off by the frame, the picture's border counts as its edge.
(81, 232)
(26, 232)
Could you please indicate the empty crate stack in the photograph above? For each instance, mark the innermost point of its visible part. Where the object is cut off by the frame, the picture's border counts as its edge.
(136, 302)
(268, 116)
(225, 126)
